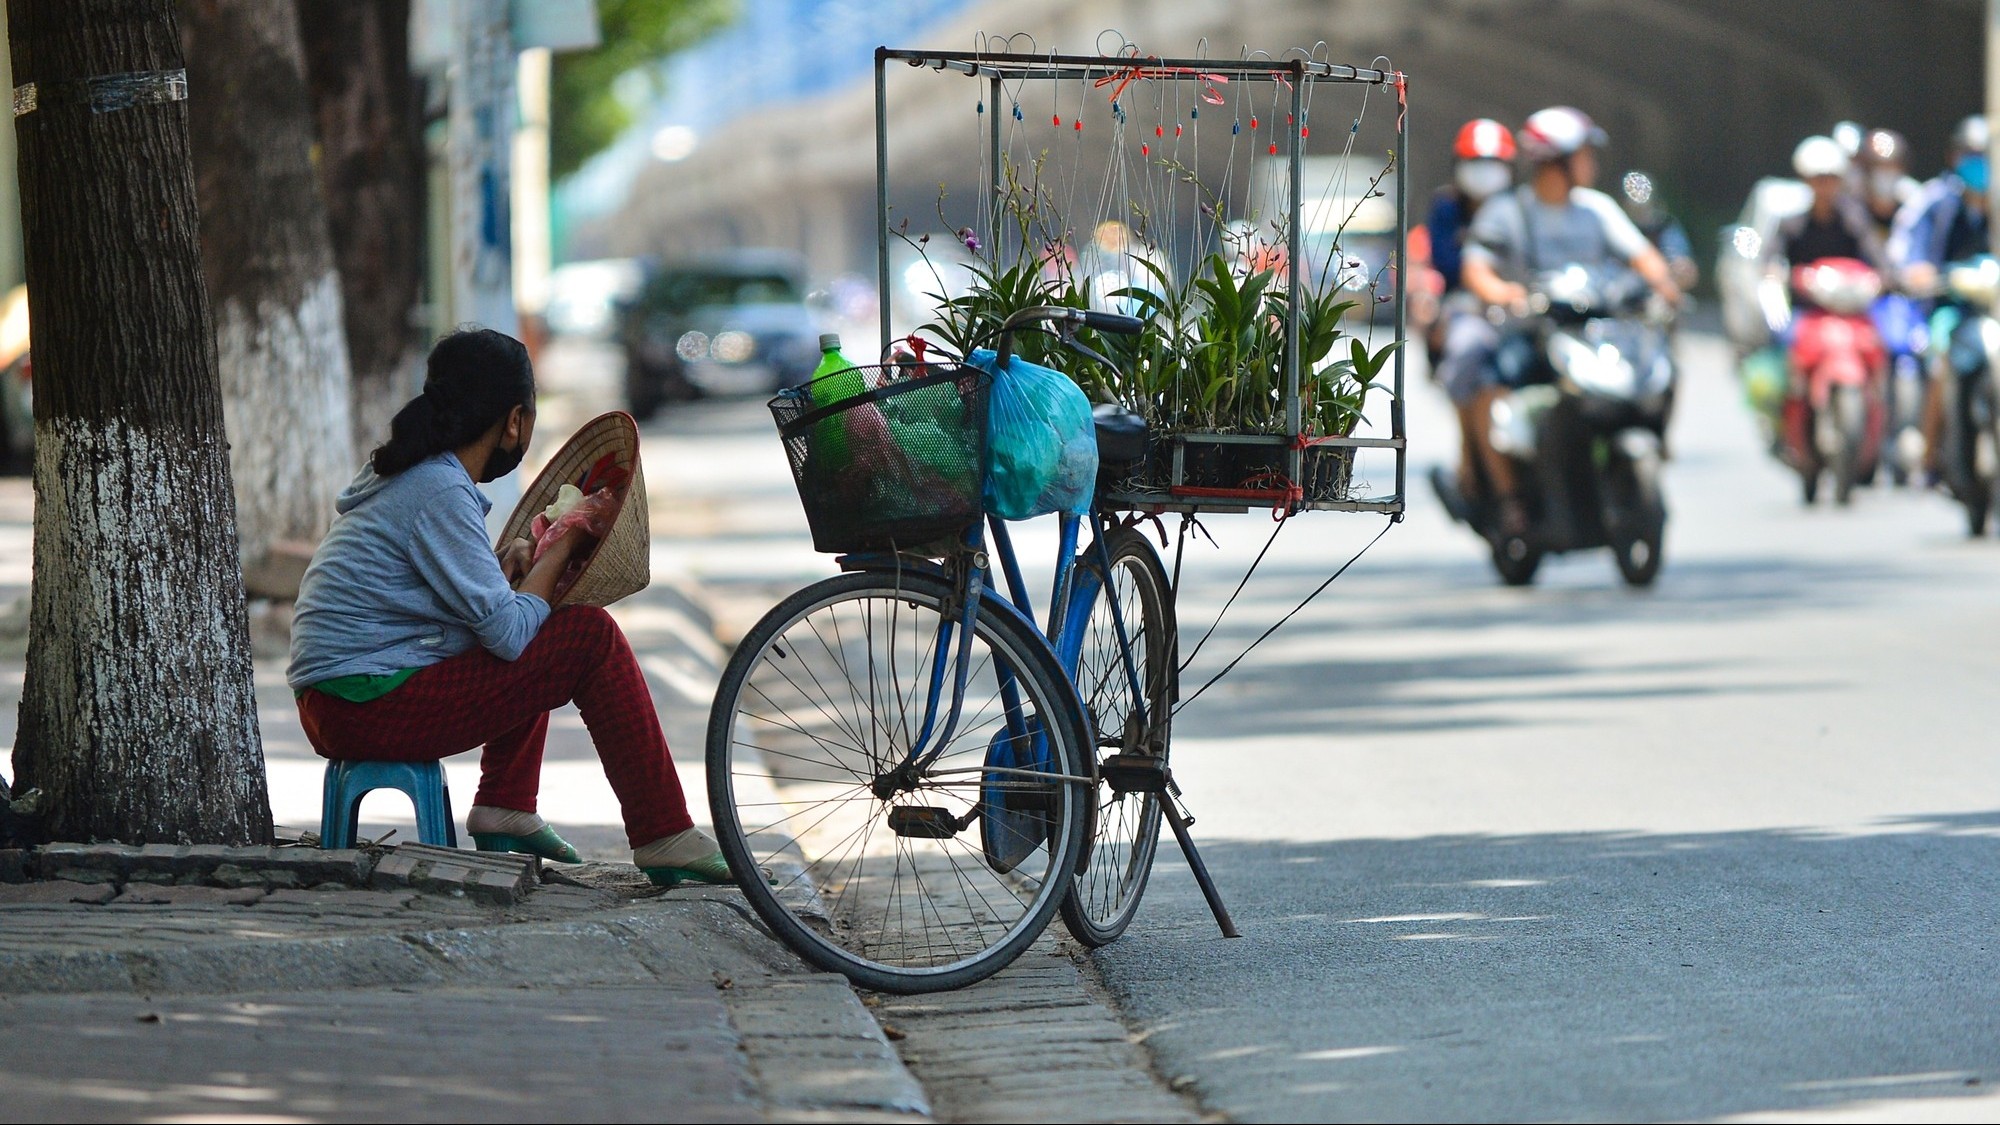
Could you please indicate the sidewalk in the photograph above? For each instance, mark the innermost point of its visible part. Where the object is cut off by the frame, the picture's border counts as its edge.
(589, 996)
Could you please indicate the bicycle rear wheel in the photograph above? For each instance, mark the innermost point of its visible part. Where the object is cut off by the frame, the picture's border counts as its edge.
(948, 877)
(1125, 822)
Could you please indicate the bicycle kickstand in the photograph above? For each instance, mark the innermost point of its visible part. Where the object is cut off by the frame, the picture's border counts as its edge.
(1178, 818)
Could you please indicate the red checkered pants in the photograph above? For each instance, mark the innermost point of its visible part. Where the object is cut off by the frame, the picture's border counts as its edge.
(477, 699)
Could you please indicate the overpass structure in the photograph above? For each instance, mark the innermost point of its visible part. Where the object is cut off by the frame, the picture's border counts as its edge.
(1707, 95)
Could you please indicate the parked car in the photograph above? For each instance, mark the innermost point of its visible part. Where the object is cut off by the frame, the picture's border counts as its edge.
(1739, 265)
(17, 389)
(731, 325)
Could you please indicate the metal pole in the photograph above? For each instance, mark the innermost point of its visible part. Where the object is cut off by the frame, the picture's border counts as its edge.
(882, 192)
(1296, 263)
(1992, 97)
(1402, 287)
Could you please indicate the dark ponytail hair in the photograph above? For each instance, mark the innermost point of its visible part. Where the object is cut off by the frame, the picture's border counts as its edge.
(473, 378)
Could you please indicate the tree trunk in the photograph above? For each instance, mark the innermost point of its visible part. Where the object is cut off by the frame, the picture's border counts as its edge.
(138, 718)
(281, 344)
(369, 111)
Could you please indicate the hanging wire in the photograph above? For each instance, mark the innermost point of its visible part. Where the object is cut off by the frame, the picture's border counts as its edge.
(1254, 564)
(1307, 600)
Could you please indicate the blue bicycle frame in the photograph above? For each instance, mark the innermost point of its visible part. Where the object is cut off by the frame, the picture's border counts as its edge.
(1074, 589)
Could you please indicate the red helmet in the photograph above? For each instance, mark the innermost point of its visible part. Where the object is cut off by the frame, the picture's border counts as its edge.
(1483, 138)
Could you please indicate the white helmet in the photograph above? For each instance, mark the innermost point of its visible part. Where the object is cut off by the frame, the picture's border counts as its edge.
(1558, 132)
(1848, 135)
(1972, 134)
(1819, 156)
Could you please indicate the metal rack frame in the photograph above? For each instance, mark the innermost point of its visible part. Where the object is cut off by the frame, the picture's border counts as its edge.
(1001, 67)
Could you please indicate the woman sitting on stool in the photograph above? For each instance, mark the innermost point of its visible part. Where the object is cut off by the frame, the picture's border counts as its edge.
(410, 644)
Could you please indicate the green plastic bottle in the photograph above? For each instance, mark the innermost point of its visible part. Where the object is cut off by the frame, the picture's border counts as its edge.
(836, 379)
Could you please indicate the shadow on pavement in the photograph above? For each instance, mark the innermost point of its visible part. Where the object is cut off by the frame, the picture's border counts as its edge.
(1588, 976)
(624, 1054)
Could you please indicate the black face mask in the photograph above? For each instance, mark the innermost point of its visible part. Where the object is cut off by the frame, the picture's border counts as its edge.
(500, 462)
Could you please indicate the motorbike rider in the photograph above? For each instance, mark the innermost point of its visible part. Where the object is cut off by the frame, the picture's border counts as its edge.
(1919, 274)
(1946, 222)
(1837, 225)
(1462, 338)
(1483, 167)
(1553, 221)
(1884, 177)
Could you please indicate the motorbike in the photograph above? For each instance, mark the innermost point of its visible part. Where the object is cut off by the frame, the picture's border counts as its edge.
(1833, 413)
(1971, 441)
(1584, 428)
(1899, 320)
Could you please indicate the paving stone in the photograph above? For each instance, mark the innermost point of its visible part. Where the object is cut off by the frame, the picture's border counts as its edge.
(137, 894)
(338, 898)
(57, 891)
(501, 878)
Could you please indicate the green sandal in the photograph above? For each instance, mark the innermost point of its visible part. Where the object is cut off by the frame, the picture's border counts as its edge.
(712, 871)
(543, 842)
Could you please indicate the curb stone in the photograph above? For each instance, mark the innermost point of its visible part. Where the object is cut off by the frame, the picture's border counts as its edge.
(494, 878)
(1032, 1043)
(200, 863)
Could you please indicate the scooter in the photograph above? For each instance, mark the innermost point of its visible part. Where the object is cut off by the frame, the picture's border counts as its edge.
(1899, 320)
(1833, 414)
(1966, 364)
(1584, 428)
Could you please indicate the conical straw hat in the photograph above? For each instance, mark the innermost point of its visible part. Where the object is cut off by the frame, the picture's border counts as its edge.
(622, 563)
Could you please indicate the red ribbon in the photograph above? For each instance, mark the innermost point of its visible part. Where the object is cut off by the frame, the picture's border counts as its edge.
(1125, 78)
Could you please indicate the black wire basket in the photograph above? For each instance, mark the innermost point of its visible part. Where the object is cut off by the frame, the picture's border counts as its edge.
(889, 458)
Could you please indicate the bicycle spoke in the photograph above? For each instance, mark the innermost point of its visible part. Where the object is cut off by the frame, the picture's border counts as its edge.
(867, 889)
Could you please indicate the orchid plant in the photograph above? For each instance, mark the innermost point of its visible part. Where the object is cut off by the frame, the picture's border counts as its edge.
(1212, 356)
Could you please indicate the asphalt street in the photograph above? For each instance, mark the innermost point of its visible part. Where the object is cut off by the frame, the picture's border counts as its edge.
(1575, 852)
(1723, 847)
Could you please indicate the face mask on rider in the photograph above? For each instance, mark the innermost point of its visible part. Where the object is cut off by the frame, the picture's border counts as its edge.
(1883, 182)
(1481, 178)
(1971, 169)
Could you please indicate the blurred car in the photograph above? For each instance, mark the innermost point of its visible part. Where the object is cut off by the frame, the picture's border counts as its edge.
(584, 296)
(728, 325)
(1739, 265)
(17, 388)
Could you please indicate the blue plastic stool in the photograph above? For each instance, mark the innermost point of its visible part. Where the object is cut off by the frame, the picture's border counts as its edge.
(349, 781)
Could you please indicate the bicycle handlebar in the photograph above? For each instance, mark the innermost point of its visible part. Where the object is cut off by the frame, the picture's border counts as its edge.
(1116, 323)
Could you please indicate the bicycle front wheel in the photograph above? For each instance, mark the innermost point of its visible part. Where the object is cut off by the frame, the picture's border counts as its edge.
(940, 875)
(1129, 609)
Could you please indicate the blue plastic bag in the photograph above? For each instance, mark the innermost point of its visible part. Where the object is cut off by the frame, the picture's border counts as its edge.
(1041, 447)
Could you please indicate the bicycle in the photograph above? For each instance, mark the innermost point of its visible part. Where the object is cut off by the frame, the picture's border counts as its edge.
(924, 774)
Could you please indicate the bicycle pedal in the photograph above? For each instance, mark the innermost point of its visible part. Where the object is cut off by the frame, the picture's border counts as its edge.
(1135, 773)
(922, 822)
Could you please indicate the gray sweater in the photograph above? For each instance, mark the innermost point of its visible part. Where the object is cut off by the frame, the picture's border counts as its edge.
(405, 578)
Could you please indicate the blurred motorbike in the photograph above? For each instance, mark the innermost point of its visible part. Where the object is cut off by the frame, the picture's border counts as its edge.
(1833, 415)
(1584, 427)
(1899, 320)
(1971, 442)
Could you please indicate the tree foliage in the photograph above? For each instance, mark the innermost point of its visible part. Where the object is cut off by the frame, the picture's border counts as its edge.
(589, 107)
